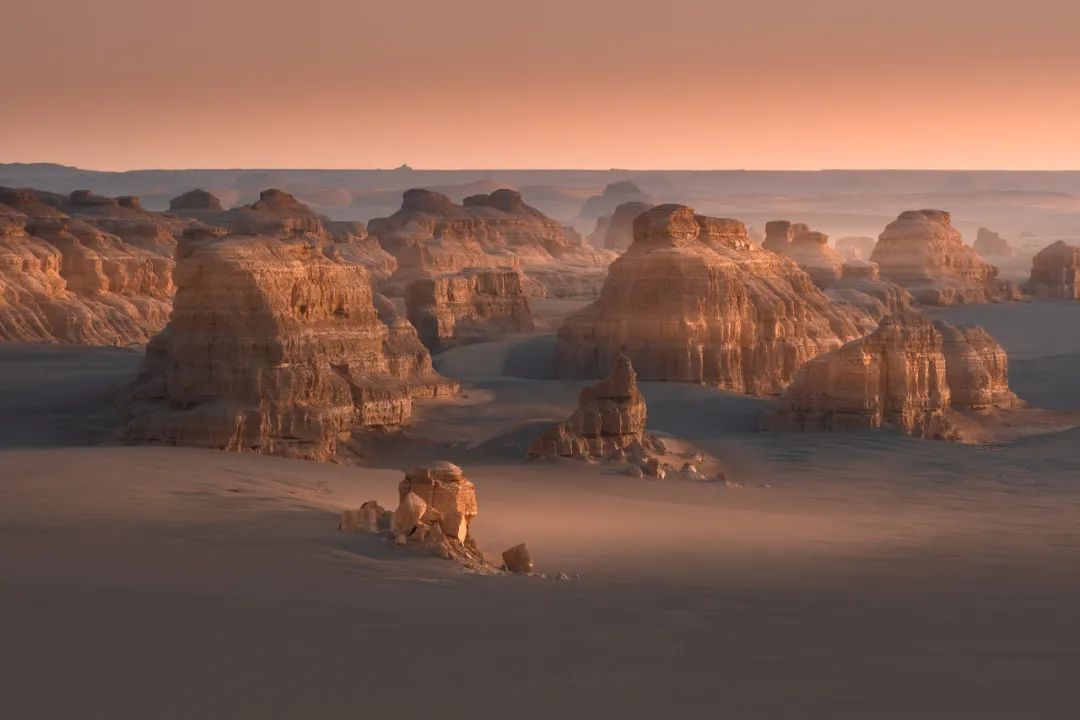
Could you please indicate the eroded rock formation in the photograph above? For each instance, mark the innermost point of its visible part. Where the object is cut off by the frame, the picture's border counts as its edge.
(989, 244)
(856, 247)
(274, 348)
(475, 305)
(926, 379)
(1055, 272)
(861, 285)
(64, 279)
(431, 235)
(923, 252)
(616, 231)
(693, 300)
(810, 250)
(614, 194)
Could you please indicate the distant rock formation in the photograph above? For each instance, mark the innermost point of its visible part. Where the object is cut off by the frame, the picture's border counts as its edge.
(989, 244)
(856, 247)
(778, 236)
(615, 194)
(1055, 272)
(616, 231)
(474, 305)
(431, 235)
(64, 279)
(274, 348)
(693, 300)
(609, 420)
(923, 252)
(195, 200)
(927, 379)
(861, 285)
(810, 250)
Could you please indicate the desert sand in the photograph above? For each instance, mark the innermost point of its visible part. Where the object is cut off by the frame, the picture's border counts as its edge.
(862, 575)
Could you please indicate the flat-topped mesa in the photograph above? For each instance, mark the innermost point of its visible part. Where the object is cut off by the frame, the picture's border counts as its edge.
(432, 235)
(922, 251)
(66, 280)
(274, 348)
(1055, 272)
(609, 420)
(275, 213)
(195, 200)
(856, 247)
(927, 379)
(616, 231)
(614, 194)
(989, 244)
(475, 305)
(692, 300)
(778, 236)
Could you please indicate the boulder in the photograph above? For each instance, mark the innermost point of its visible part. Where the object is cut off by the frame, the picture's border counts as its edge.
(447, 493)
(518, 560)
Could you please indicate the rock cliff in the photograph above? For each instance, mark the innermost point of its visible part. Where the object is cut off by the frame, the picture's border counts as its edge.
(616, 231)
(475, 305)
(861, 285)
(923, 252)
(1055, 272)
(274, 348)
(989, 244)
(694, 300)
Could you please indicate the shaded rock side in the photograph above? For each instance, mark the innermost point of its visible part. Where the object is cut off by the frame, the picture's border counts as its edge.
(693, 300)
(1055, 272)
(920, 377)
(475, 305)
(923, 252)
(856, 247)
(861, 285)
(616, 231)
(274, 348)
(990, 244)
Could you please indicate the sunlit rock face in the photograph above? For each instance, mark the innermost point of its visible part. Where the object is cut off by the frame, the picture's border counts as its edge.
(609, 419)
(911, 374)
(63, 279)
(274, 348)
(431, 235)
(855, 247)
(126, 218)
(693, 300)
(1055, 272)
(475, 305)
(616, 231)
(923, 252)
(810, 250)
(989, 244)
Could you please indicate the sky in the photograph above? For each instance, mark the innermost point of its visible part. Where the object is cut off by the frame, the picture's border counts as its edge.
(679, 84)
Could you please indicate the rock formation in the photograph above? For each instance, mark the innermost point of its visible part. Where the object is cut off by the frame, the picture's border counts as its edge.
(616, 231)
(693, 300)
(921, 251)
(926, 379)
(195, 201)
(778, 236)
(810, 250)
(63, 279)
(1055, 272)
(615, 194)
(431, 235)
(856, 247)
(274, 348)
(474, 305)
(989, 244)
(861, 285)
(609, 421)
(450, 498)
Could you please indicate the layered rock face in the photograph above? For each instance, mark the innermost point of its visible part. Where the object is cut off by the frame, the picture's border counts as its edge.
(1055, 272)
(778, 236)
(912, 374)
(63, 279)
(923, 252)
(475, 305)
(609, 419)
(126, 218)
(431, 235)
(693, 300)
(274, 348)
(989, 244)
(856, 247)
(861, 285)
(810, 250)
(616, 231)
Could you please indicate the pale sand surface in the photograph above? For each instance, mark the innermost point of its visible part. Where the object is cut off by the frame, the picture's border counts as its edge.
(876, 577)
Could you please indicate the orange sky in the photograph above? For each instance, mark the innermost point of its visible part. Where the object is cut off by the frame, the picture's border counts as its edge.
(119, 84)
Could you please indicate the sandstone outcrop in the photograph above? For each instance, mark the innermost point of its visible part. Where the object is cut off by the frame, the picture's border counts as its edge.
(195, 200)
(923, 252)
(126, 218)
(518, 560)
(614, 194)
(616, 231)
(430, 235)
(63, 279)
(927, 379)
(861, 285)
(448, 496)
(778, 236)
(274, 348)
(989, 244)
(608, 422)
(810, 250)
(856, 247)
(693, 300)
(1055, 272)
(474, 305)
